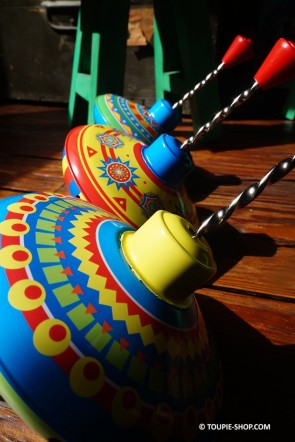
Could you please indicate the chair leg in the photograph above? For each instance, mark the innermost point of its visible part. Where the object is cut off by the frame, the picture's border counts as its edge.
(184, 55)
(99, 56)
(289, 110)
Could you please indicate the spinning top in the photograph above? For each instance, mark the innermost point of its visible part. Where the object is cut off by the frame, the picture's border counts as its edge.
(100, 335)
(147, 124)
(122, 175)
(133, 180)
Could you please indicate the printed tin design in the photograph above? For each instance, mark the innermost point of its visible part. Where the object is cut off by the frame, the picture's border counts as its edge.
(86, 349)
(126, 115)
(107, 168)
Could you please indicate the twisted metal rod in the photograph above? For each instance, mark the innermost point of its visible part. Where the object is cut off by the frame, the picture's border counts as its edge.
(247, 196)
(220, 116)
(199, 86)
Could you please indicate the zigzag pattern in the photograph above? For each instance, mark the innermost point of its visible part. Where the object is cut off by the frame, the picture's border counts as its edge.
(108, 297)
(95, 281)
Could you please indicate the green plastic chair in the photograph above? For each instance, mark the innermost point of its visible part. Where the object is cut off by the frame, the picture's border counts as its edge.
(99, 56)
(290, 104)
(184, 55)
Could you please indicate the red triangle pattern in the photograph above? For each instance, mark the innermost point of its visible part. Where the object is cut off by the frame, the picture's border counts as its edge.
(77, 290)
(90, 309)
(67, 271)
(123, 343)
(141, 356)
(90, 151)
(106, 327)
(60, 254)
(122, 202)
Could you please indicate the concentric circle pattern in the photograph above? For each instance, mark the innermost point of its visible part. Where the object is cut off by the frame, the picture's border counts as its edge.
(116, 355)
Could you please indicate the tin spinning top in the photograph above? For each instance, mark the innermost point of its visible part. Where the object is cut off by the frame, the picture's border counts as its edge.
(147, 124)
(118, 173)
(122, 175)
(100, 335)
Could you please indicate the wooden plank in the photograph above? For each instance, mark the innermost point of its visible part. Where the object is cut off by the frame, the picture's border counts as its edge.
(249, 141)
(264, 276)
(13, 429)
(255, 339)
(23, 174)
(272, 320)
(38, 131)
(275, 203)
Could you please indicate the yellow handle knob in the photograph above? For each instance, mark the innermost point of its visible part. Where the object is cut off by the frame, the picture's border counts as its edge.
(168, 260)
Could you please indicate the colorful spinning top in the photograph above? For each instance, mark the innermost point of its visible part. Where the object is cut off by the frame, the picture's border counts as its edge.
(101, 337)
(122, 175)
(133, 180)
(147, 124)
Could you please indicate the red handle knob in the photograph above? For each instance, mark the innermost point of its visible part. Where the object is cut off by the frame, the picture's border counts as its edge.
(239, 51)
(279, 65)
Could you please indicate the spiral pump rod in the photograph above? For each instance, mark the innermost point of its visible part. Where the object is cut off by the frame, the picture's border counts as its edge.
(199, 86)
(239, 51)
(220, 116)
(279, 66)
(275, 174)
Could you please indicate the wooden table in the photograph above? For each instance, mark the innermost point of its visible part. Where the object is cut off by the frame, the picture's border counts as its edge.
(249, 304)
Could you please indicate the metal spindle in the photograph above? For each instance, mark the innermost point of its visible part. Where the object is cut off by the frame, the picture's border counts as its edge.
(247, 196)
(240, 50)
(220, 116)
(279, 66)
(199, 86)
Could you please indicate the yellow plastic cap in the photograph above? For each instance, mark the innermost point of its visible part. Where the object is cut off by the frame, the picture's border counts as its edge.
(167, 259)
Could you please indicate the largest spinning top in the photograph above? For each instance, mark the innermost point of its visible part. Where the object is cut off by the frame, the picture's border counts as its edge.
(100, 335)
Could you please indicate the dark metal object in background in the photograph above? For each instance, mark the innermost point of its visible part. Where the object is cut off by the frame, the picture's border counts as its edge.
(57, 7)
(37, 40)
